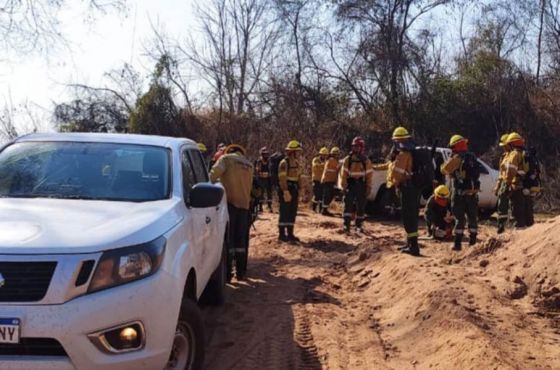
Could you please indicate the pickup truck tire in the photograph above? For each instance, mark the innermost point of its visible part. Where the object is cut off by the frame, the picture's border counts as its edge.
(215, 291)
(187, 352)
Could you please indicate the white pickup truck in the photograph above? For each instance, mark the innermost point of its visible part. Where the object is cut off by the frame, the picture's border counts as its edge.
(382, 201)
(107, 242)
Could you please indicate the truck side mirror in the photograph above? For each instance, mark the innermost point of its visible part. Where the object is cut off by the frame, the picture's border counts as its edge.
(205, 195)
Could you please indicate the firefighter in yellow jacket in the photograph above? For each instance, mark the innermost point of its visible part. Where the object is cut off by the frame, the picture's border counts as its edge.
(356, 178)
(235, 172)
(289, 178)
(520, 197)
(317, 168)
(399, 175)
(329, 179)
(501, 189)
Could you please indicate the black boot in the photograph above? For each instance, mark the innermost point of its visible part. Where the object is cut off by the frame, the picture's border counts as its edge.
(457, 243)
(412, 249)
(282, 234)
(314, 206)
(472, 239)
(347, 224)
(501, 228)
(291, 236)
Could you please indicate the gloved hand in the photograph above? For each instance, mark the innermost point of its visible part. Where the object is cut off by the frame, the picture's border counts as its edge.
(287, 196)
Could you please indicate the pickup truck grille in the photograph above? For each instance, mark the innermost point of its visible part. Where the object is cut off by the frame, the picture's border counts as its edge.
(33, 347)
(25, 281)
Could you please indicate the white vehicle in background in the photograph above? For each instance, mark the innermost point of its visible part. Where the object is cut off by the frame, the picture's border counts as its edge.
(382, 200)
(106, 244)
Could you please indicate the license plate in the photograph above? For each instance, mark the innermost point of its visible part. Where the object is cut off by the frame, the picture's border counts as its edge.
(9, 330)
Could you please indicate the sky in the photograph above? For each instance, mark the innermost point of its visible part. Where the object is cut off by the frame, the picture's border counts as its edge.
(95, 47)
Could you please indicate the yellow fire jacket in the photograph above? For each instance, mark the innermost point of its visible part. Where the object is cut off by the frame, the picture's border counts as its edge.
(516, 169)
(317, 168)
(398, 170)
(288, 170)
(358, 168)
(330, 173)
(235, 172)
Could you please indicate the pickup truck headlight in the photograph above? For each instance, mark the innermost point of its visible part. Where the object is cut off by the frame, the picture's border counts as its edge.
(123, 265)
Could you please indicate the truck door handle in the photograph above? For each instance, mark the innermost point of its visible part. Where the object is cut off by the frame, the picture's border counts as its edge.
(208, 220)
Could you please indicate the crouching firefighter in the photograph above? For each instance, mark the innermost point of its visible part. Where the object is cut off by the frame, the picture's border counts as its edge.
(329, 178)
(235, 172)
(317, 168)
(356, 178)
(289, 176)
(464, 170)
(438, 214)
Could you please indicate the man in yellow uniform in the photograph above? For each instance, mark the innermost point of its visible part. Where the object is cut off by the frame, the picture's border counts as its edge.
(329, 178)
(235, 172)
(263, 171)
(317, 169)
(399, 175)
(289, 178)
(356, 178)
(501, 189)
(520, 197)
(464, 170)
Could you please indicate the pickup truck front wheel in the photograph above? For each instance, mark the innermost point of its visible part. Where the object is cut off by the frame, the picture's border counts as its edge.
(187, 352)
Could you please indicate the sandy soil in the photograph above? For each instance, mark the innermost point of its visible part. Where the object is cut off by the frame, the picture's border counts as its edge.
(354, 302)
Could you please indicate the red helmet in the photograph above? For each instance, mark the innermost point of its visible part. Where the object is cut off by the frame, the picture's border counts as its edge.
(360, 143)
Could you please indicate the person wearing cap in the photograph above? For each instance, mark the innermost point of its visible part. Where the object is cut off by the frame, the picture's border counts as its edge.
(235, 172)
(289, 179)
(437, 214)
(263, 173)
(464, 170)
(520, 197)
(329, 179)
(317, 169)
(356, 179)
(399, 175)
(501, 189)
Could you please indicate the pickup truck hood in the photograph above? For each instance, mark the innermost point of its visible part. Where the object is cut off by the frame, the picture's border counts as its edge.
(60, 226)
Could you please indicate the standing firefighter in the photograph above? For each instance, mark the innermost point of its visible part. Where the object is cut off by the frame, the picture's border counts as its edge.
(317, 169)
(501, 188)
(518, 168)
(264, 178)
(329, 178)
(235, 172)
(289, 176)
(464, 170)
(399, 175)
(437, 214)
(356, 178)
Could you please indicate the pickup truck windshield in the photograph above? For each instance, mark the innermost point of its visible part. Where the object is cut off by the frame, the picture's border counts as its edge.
(73, 170)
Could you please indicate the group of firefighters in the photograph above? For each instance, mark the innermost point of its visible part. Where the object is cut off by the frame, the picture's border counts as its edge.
(447, 212)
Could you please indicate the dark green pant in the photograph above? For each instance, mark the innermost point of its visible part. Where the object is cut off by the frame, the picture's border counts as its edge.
(410, 201)
(317, 195)
(465, 210)
(328, 194)
(355, 201)
(288, 211)
(522, 208)
(503, 205)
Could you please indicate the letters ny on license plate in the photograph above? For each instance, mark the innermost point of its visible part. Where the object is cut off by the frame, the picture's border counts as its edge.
(9, 330)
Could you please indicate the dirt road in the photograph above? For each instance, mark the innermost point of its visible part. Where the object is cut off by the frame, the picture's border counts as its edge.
(339, 302)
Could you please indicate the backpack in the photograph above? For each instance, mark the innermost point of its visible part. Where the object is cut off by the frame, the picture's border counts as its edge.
(274, 163)
(361, 160)
(468, 175)
(532, 166)
(423, 173)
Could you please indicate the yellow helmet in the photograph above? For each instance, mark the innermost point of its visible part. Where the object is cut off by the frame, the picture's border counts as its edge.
(442, 191)
(514, 136)
(503, 139)
(335, 150)
(202, 147)
(233, 148)
(455, 139)
(400, 133)
(294, 145)
(324, 151)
